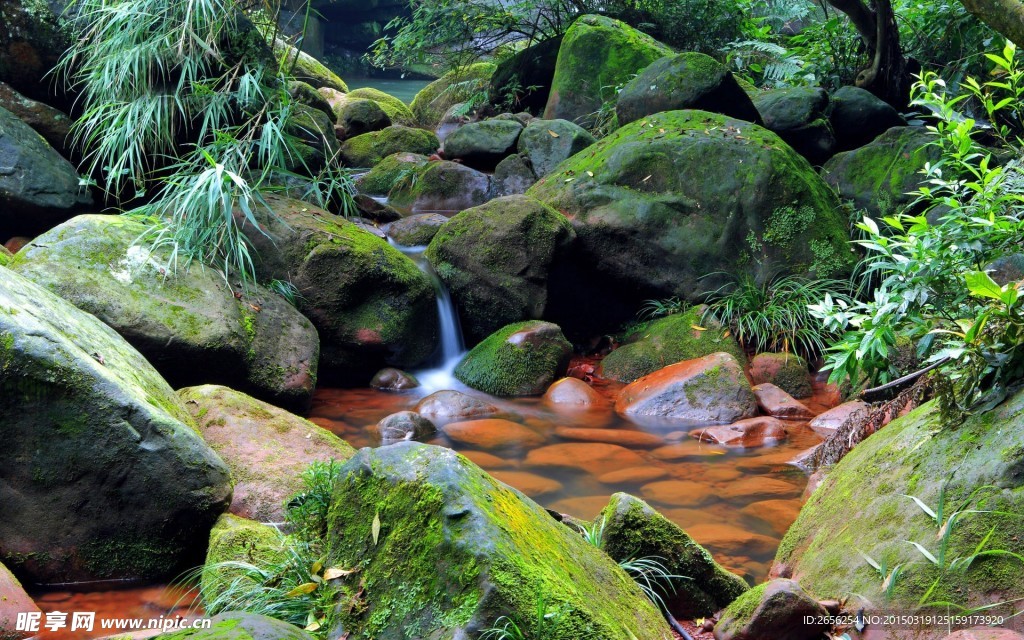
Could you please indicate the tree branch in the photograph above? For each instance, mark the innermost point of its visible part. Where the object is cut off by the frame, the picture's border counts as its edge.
(1005, 16)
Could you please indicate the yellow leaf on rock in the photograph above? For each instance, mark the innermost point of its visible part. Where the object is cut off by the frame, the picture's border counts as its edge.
(553, 134)
(301, 590)
(375, 528)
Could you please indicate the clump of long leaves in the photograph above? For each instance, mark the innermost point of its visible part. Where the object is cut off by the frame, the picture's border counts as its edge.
(775, 315)
(545, 622)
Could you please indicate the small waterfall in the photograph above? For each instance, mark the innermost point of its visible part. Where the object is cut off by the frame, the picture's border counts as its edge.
(451, 348)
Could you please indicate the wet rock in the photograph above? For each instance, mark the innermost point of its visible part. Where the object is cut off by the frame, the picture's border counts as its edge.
(521, 359)
(684, 81)
(433, 101)
(859, 116)
(752, 432)
(54, 125)
(591, 457)
(391, 379)
(633, 475)
(513, 176)
(548, 143)
(774, 610)
(581, 510)
(405, 425)
(267, 449)
(574, 393)
(488, 460)
(709, 390)
(362, 116)
(492, 288)
(375, 210)
(484, 144)
(776, 402)
(530, 484)
(777, 514)
(677, 493)
(38, 187)
(419, 184)
(625, 437)
(786, 371)
(416, 230)
(597, 52)
(799, 116)
(825, 424)
(452, 530)
(453, 405)
(370, 148)
(13, 601)
(754, 488)
(683, 450)
(191, 325)
(633, 529)
(242, 626)
(93, 432)
(678, 337)
(493, 433)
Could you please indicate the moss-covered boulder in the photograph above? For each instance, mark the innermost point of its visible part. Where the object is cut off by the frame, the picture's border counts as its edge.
(359, 116)
(416, 230)
(319, 143)
(191, 325)
(396, 110)
(684, 81)
(653, 222)
(522, 82)
(368, 149)
(38, 187)
(266, 448)
(779, 609)
(632, 529)
(483, 144)
(234, 539)
(238, 625)
(799, 115)
(444, 550)
(13, 602)
(371, 304)
(5, 256)
(306, 68)
(458, 85)
(862, 505)
(549, 143)
(102, 473)
(786, 371)
(513, 175)
(879, 177)
(597, 54)
(394, 174)
(522, 359)
(496, 259)
(307, 94)
(709, 390)
(859, 116)
(657, 344)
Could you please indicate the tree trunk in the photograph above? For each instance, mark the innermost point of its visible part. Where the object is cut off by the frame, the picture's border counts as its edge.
(1004, 16)
(887, 76)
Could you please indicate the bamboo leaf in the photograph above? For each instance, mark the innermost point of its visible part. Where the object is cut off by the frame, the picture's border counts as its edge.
(375, 528)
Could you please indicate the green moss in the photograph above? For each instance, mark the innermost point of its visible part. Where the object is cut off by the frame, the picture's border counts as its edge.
(397, 110)
(121, 556)
(456, 86)
(308, 69)
(5, 257)
(393, 173)
(518, 360)
(369, 149)
(664, 342)
(235, 539)
(742, 609)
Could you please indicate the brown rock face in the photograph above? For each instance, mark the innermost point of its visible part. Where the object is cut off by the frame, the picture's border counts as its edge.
(624, 437)
(827, 423)
(573, 392)
(776, 402)
(752, 432)
(13, 600)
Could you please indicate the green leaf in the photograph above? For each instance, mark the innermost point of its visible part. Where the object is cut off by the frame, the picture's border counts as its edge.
(982, 285)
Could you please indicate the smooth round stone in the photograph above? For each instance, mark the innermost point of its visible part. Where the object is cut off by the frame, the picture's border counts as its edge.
(486, 460)
(677, 493)
(453, 405)
(493, 433)
(586, 507)
(594, 458)
(776, 402)
(573, 392)
(633, 475)
(777, 514)
(749, 433)
(391, 379)
(730, 540)
(752, 488)
(624, 437)
(690, 449)
(529, 483)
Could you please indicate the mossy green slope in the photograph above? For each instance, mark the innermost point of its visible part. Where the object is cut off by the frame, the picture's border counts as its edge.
(597, 54)
(522, 359)
(862, 504)
(456, 86)
(651, 217)
(456, 549)
(666, 341)
(105, 475)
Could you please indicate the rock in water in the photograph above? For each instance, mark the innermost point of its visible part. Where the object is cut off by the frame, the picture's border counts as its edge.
(404, 425)
(445, 406)
(102, 474)
(445, 550)
(632, 529)
(369, 149)
(266, 448)
(191, 325)
(776, 610)
(522, 359)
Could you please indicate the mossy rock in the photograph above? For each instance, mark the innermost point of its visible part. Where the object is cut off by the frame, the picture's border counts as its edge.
(306, 68)
(653, 222)
(522, 359)
(238, 540)
(458, 85)
(684, 81)
(456, 550)
(597, 54)
(398, 111)
(666, 341)
(359, 116)
(266, 448)
(549, 143)
(307, 94)
(237, 625)
(513, 176)
(370, 303)
(5, 256)
(880, 177)
(799, 115)
(369, 149)
(862, 506)
(483, 144)
(416, 230)
(251, 339)
(633, 529)
(522, 82)
(859, 116)
(497, 259)
(779, 609)
(104, 474)
(415, 183)
(786, 371)
(319, 143)
(393, 174)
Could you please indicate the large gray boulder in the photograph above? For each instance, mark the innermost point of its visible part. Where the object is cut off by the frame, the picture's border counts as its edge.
(190, 324)
(799, 115)
(102, 474)
(548, 143)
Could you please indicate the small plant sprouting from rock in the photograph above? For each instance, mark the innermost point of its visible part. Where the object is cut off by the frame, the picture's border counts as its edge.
(888, 576)
(286, 290)
(545, 622)
(653, 309)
